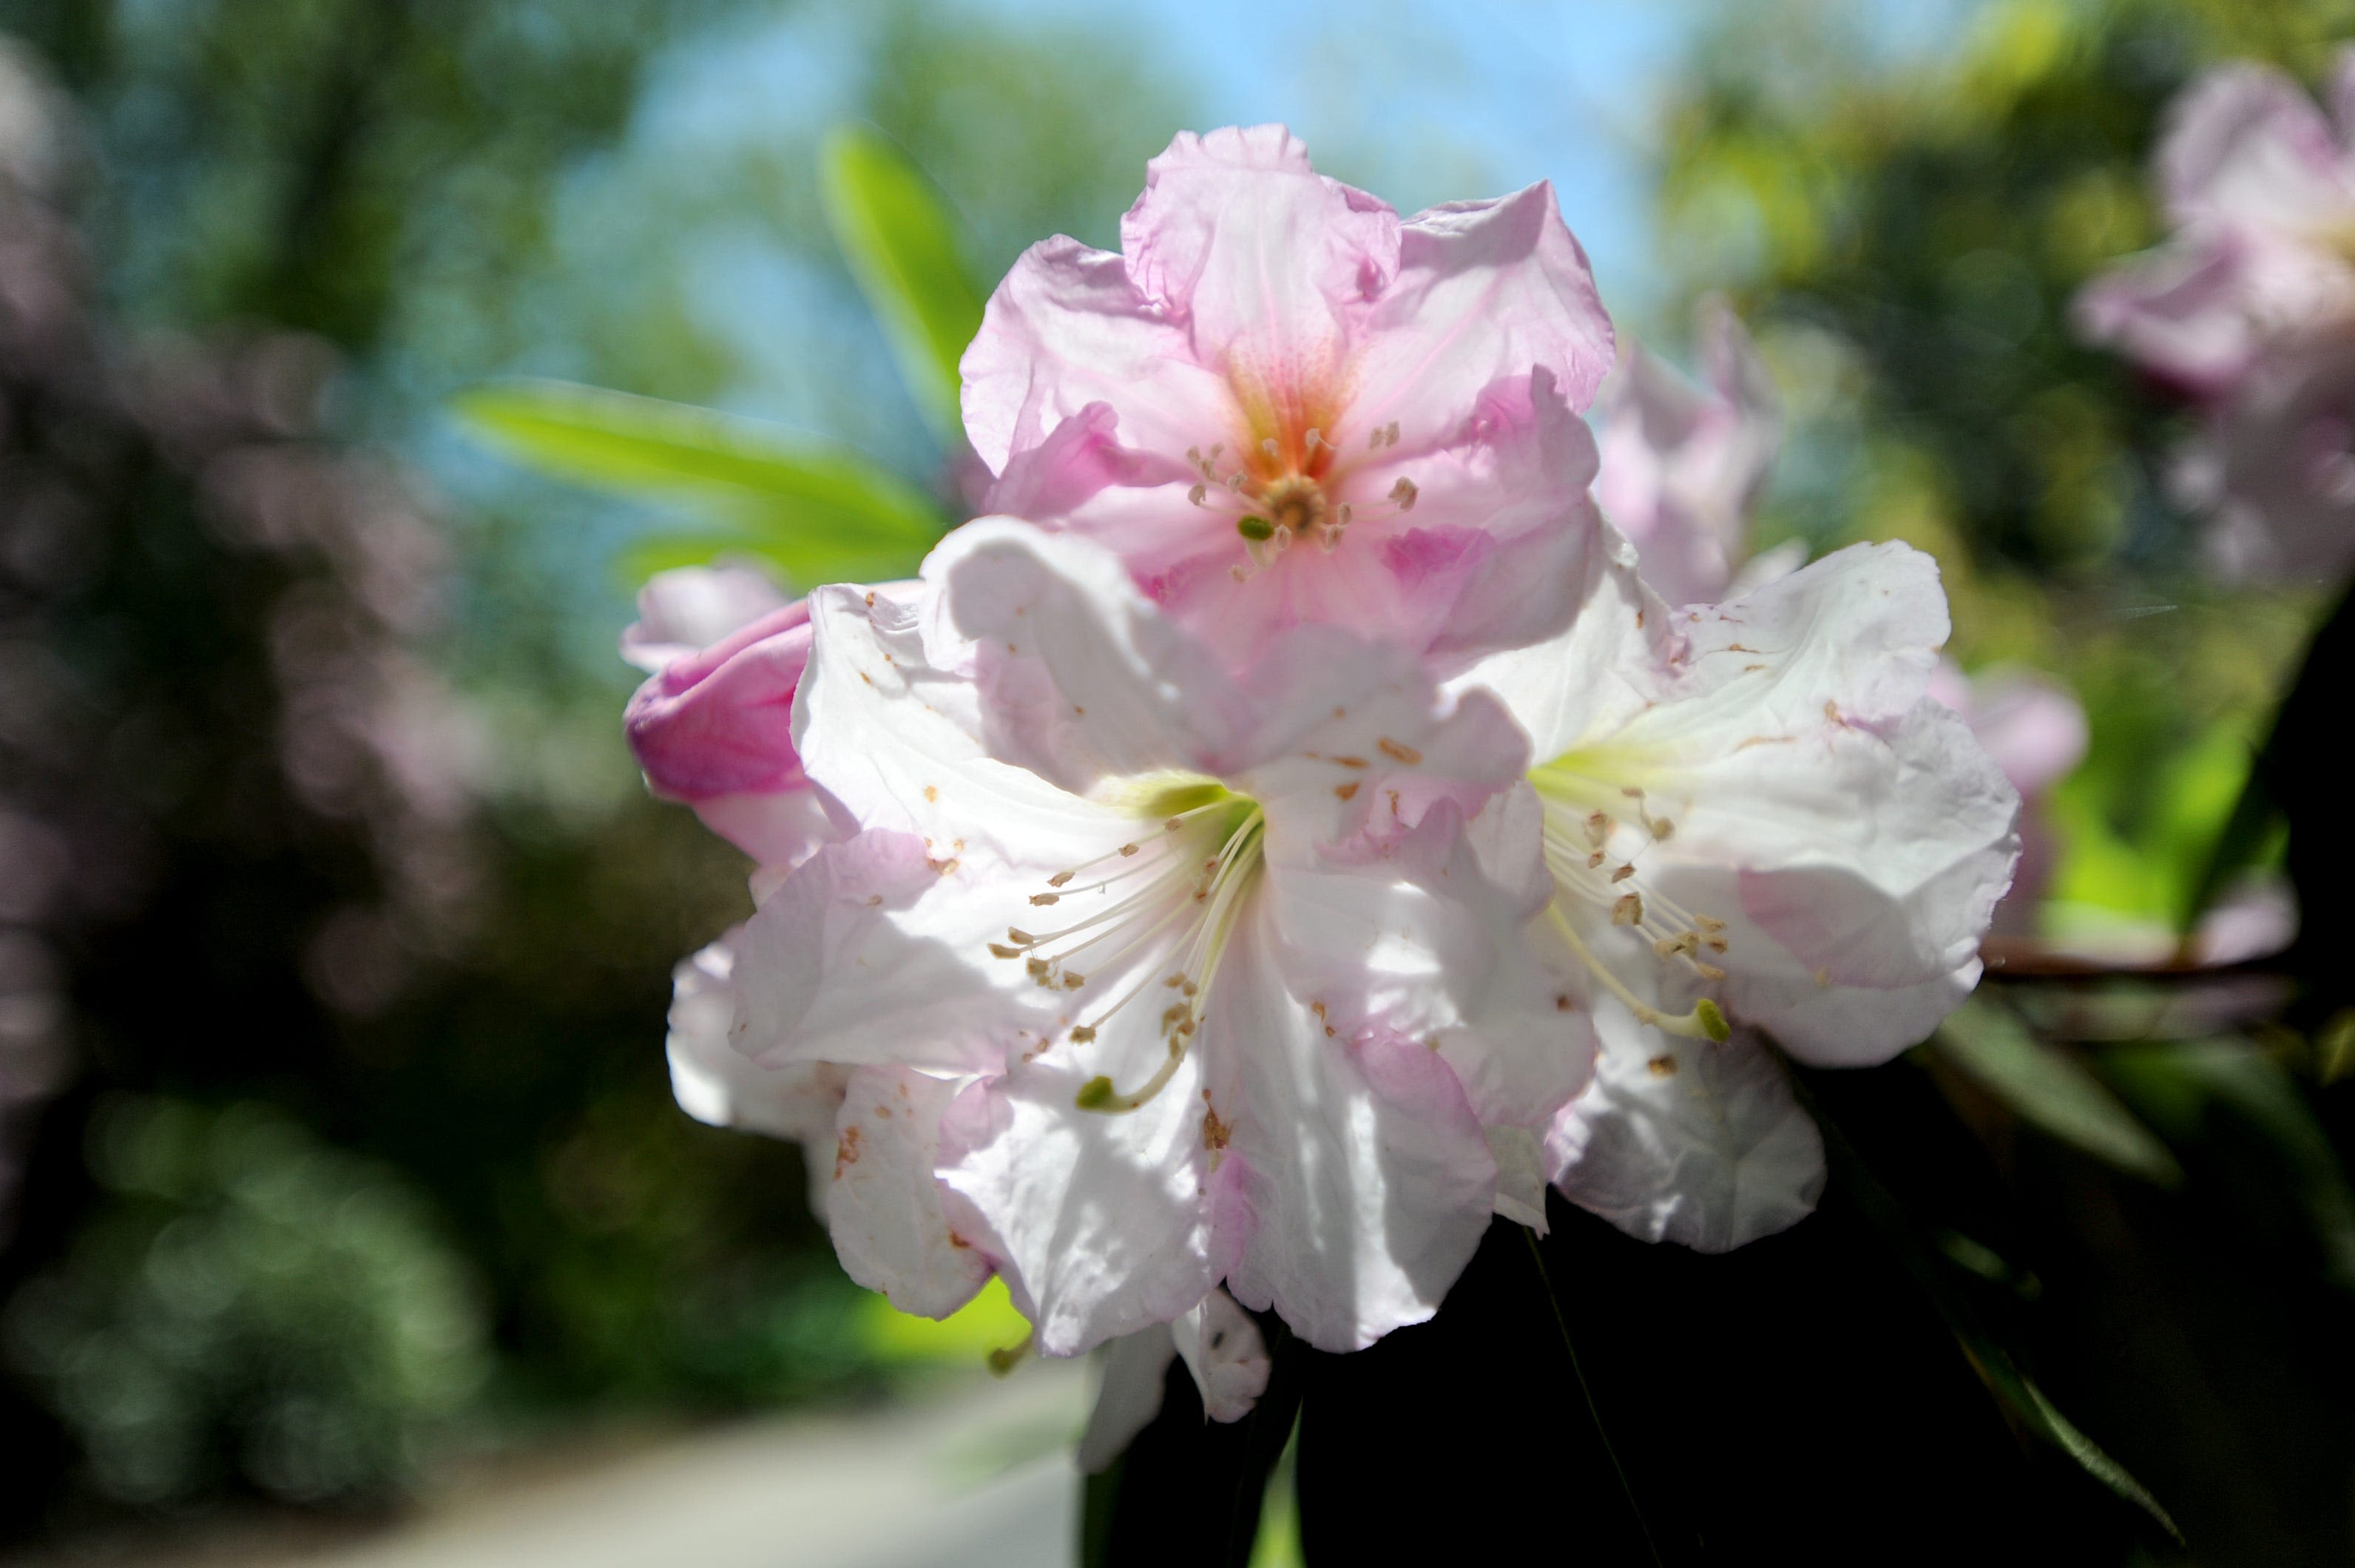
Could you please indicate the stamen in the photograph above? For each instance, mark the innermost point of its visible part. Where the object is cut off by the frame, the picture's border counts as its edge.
(1197, 493)
(1405, 491)
(1706, 1021)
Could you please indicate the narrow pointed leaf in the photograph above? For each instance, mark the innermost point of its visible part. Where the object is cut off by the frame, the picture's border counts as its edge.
(900, 240)
(2051, 1090)
(819, 513)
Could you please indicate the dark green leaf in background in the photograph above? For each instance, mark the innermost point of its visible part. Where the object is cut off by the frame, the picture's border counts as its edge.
(2049, 1090)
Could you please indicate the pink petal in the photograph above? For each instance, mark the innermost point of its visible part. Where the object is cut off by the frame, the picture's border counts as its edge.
(720, 722)
(884, 1207)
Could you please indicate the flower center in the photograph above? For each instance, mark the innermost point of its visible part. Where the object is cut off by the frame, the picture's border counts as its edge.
(1152, 921)
(1290, 490)
(1596, 833)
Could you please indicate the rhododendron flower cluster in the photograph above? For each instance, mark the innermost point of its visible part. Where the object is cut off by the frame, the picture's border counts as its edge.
(1290, 831)
(2249, 309)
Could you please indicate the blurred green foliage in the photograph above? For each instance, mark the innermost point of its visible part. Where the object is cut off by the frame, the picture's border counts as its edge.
(249, 1305)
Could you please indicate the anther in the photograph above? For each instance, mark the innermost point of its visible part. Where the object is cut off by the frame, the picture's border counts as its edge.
(1663, 829)
(1083, 1035)
(1404, 493)
(1345, 514)
(1595, 859)
(1235, 481)
(1197, 493)
(999, 950)
(1073, 981)
(1269, 446)
(1061, 878)
(1126, 849)
(1389, 433)
(1598, 829)
(1020, 937)
(1312, 438)
(1628, 910)
(1622, 874)
(1042, 900)
(1709, 970)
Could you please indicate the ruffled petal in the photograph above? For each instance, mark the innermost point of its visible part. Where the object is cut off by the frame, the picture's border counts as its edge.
(1081, 677)
(1854, 872)
(721, 1086)
(1597, 674)
(1102, 1223)
(1486, 291)
(876, 952)
(1067, 328)
(883, 1205)
(1405, 934)
(899, 743)
(1688, 1141)
(1264, 259)
(1367, 1175)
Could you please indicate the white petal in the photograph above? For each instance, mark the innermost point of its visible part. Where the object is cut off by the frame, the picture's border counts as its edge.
(1598, 673)
(876, 951)
(1407, 934)
(1520, 1157)
(718, 1084)
(884, 1205)
(1688, 1141)
(1367, 1172)
(1131, 1374)
(1223, 1350)
(1102, 1223)
(1082, 677)
(898, 743)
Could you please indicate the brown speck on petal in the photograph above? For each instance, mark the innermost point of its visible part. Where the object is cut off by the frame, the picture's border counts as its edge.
(1405, 755)
(1346, 790)
(931, 792)
(846, 1153)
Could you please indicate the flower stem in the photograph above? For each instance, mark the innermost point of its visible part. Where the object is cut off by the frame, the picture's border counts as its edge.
(1545, 1281)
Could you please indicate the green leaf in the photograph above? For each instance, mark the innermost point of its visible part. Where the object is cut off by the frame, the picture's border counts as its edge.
(901, 240)
(2035, 1409)
(1936, 1275)
(2051, 1090)
(817, 513)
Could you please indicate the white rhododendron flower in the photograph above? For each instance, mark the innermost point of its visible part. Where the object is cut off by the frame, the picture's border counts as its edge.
(1749, 812)
(1182, 977)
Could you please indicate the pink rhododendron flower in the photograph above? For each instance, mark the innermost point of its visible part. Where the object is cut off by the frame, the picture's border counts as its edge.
(1282, 403)
(2250, 307)
(1749, 812)
(2275, 467)
(1180, 979)
(1683, 468)
(2261, 187)
(713, 727)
